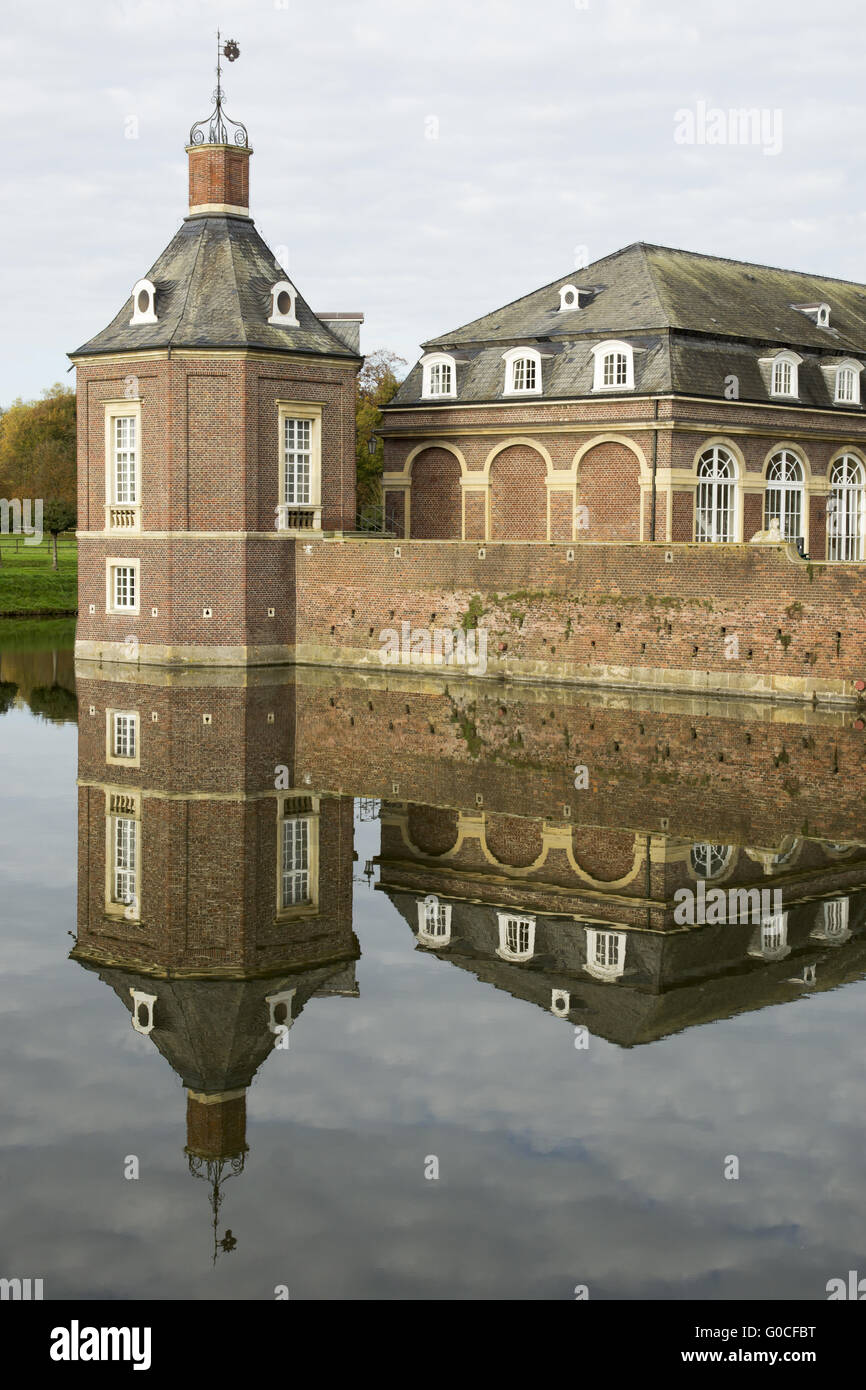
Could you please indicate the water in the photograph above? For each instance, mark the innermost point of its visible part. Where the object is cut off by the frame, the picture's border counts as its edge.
(334, 1061)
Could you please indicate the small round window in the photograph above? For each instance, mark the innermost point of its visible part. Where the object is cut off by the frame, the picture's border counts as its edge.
(569, 298)
(284, 303)
(143, 301)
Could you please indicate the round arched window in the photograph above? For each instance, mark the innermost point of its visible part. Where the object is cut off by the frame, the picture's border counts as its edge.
(708, 861)
(715, 511)
(784, 498)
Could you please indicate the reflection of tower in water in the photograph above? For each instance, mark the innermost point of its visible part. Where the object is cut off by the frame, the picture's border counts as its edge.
(201, 902)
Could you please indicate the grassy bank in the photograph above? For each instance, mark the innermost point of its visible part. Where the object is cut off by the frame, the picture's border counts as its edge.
(29, 587)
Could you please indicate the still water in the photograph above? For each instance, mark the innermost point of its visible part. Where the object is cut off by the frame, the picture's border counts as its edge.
(371, 988)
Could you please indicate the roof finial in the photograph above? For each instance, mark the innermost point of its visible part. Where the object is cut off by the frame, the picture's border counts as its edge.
(216, 132)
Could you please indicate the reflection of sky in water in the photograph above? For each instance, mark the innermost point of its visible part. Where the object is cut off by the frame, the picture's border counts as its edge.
(557, 1166)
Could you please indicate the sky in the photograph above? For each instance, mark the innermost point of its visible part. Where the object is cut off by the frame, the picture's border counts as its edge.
(422, 162)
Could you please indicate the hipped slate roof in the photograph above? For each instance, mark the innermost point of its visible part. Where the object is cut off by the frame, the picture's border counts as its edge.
(692, 319)
(213, 285)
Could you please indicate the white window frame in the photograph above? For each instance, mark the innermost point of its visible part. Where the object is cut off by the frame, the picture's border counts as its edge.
(112, 728)
(509, 922)
(846, 509)
(121, 514)
(431, 377)
(124, 806)
(717, 495)
(294, 516)
(143, 313)
(847, 372)
(774, 936)
(605, 953)
(710, 861)
(434, 921)
(835, 918)
(785, 365)
(569, 299)
(310, 816)
(785, 494)
(112, 564)
(284, 318)
(522, 364)
(613, 348)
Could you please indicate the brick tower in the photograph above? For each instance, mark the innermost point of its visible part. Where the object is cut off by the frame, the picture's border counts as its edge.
(215, 428)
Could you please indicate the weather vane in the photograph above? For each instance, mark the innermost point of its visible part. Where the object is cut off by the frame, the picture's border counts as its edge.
(213, 130)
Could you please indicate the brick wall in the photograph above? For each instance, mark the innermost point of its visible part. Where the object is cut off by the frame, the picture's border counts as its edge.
(609, 487)
(435, 513)
(518, 496)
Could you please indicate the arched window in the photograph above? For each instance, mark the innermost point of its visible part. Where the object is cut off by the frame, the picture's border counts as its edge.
(614, 367)
(522, 372)
(434, 921)
(847, 385)
(143, 302)
(715, 512)
(283, 301)
(709, 861)
(516, 936)
(845, 510)
(440, 375)
(784, 498)
(605, 953)
(785, 375)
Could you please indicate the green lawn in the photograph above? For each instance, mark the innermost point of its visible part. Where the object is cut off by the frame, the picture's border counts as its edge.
(28, 584)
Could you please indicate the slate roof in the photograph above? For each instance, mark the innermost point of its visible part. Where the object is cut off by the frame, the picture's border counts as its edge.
(692, 319)
(213, 284)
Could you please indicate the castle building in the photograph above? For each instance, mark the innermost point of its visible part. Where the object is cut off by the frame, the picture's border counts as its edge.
(656, 395)
(216, 423)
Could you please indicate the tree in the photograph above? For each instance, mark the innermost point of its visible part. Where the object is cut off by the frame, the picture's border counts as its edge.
(378, 382)
(54, 702)
(57, 517)
(38, 452)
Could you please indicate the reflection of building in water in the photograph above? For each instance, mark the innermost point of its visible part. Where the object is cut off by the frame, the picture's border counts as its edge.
(557, 914)
(201, 900)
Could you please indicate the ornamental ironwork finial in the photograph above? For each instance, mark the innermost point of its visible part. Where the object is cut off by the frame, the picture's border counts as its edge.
(215, 128)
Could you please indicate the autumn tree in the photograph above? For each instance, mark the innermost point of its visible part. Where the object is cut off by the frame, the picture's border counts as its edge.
(38, 454)
(378, 382)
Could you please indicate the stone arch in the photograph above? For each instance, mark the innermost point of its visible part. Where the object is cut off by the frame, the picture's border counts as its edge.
(512, 841)
(609, 476)
(518, 492)
(435, 500)
(432, 829)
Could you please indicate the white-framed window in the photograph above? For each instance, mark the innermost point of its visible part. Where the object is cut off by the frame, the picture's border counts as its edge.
(847, 390)
(300, 488)
(122, 586)
(845, 508)
(522, 372)
(569, 298)
(783, 501)
(836, 917)
(121, 745)
(284, 298)
(439, 375)
(143, 302)
(774, 935)
(716, 500)
(297, 461)
(123, 854)
(605, 953)
(516, 936)
(296, 862)
(783, 380)
(614, 367)
(124, 461)
(434, 921)
(298, 853)
(710, 861)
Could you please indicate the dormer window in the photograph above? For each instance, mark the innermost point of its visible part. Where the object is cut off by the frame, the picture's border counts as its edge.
(818, 313)
(283, 300)
(847, 390)
(784, 378)
(516, 937)
(614, 367)
(522, 372)
(434, 922)
(605, 953)
(440, 375)
(143, 302)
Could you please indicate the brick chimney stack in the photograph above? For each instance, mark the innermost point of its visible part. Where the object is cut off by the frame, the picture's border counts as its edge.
(219, 179)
